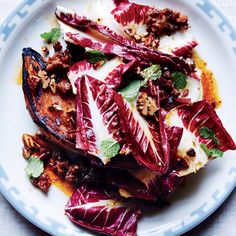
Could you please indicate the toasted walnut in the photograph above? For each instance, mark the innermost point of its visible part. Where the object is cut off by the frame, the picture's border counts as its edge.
(146, 105)
(58, 164)
(33, 147)
(58, 62)
(165, 21)
(73, 174)
(147, 38)
(45, 50)
(53, 85)
(26, 153)
(29, 142)
(151, 41)
(64, 87)
(44, 78)
(34, 81)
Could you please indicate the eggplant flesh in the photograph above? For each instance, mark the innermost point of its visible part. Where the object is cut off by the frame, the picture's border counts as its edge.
(50, 111)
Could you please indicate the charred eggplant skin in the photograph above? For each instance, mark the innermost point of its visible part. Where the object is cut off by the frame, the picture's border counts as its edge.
(32, 63)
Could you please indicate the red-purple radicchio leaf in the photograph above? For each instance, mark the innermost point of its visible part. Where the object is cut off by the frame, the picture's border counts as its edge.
(132, 16)
(191, 154)
(147, 141)
(158, 185)
(144, 183)
(74, 20)
(94, 209)
(202, 114)
(131, 54)
(110, 73)
(106, 48)
(81, 22)
(97, 116)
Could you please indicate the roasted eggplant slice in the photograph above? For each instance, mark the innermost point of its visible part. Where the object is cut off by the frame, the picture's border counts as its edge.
(53, 113)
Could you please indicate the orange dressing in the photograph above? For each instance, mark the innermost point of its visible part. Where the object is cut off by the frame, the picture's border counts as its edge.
(64, 186)
(19, 77)
(209, 83)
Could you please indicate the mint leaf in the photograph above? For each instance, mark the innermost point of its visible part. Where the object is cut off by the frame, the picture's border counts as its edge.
(130, 92)
(95, 56)
(179, 80)
(35, 167)
(110, 147)
(208, 134)
(214, 152)
(153, 72)
(51, 36)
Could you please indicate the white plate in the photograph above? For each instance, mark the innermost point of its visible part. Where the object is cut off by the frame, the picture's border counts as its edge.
(203, 193)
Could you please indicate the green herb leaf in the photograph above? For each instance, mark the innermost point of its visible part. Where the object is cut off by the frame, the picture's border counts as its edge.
(130, 92)
(179, 80)
(214, 152)
(110, 147)
(35, 167)
(51, 36)
(153, 72)
(95, 56)
(208, 134)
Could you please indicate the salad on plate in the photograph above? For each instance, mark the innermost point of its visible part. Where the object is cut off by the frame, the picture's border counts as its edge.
(125, 109)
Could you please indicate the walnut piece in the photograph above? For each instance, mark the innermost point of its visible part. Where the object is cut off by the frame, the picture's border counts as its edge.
(45, 50)
(34, 81)
(53, 85)
(146, 105)
(29, 142)
(42, 74)
(33, 148)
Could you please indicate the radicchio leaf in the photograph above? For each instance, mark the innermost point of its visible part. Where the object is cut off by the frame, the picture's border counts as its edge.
(143, 183)
(146, 184)
(203, 114)
(131, 54)
(133, 16)
(97, 116)
(159, 185)
(72, 19)
(107, 48)
(111, 73)
(191, 117)
(81, 22)
(144, 138)
(94, 209)
(179, 44)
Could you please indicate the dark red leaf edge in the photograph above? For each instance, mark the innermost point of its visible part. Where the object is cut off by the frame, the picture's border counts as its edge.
(104, 97)
(201, 114)
(147, 54)
(127, 13)
(108, 217)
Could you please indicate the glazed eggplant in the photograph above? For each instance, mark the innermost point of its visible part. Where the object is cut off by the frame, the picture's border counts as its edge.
(53, 113)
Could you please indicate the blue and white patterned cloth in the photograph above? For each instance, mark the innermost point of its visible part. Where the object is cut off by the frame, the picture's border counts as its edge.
(221, 223)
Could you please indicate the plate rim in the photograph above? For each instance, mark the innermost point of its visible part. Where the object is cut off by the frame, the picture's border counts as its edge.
(43, 226)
